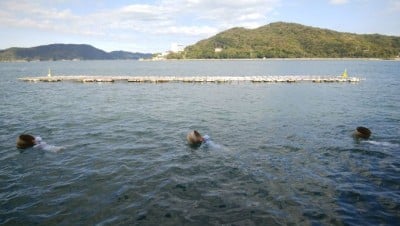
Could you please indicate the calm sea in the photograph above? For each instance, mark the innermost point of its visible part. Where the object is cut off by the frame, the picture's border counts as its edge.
(282, 154)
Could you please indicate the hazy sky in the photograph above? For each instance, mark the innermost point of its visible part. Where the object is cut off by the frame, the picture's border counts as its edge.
(152, 26)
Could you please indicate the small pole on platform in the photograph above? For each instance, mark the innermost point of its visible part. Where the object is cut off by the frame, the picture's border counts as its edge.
(344, 75)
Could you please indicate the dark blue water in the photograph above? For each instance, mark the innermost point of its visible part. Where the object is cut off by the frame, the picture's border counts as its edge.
(283, 153)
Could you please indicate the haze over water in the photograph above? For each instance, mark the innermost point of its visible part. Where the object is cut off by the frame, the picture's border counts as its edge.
(282, 154)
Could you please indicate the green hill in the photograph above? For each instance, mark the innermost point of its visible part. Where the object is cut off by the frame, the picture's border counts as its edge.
(128, 55)
(65, 52)
(290, 40)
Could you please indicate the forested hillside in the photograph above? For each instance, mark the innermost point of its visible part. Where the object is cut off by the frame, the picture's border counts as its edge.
(65, 52)
(290, 40)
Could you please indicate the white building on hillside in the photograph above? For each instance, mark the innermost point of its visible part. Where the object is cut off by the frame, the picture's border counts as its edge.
(218, 50)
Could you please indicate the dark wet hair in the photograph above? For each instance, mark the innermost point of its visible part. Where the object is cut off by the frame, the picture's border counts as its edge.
(363, 132)
(196, 133)
(25, 141)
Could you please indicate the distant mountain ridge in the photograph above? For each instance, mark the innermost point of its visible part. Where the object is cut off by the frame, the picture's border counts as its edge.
(291, 40)
(66, 52)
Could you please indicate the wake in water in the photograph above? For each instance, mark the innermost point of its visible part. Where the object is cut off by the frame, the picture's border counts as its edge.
(382, 143)
(208, 143)
(362, 134)
(217, 148)
(40, 144)
(25, 141)
(195, 140)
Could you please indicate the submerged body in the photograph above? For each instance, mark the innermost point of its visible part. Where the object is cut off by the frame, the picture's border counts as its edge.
(40, 144)
(195, 140)
(25, 141)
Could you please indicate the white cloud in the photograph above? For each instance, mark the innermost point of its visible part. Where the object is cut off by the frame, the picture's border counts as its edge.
(179, 18)
(141, 12)
(227, 14)
(184, 15)
(338, 2)
(394, 5)
(187, 30)
(252, 17)
(219, 14)
(24, 14)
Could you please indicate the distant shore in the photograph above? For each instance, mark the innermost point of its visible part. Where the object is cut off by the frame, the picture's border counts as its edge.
(231, 59)
(280, 59)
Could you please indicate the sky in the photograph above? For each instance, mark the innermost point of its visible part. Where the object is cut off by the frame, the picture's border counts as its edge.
(155, 25)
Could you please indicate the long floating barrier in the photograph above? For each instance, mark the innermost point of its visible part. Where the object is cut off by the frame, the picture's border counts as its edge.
(192, 79)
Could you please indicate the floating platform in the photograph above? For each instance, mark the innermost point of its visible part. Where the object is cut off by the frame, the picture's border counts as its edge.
(192, 79)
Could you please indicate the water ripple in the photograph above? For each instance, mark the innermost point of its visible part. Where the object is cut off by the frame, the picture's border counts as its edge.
(282, 155)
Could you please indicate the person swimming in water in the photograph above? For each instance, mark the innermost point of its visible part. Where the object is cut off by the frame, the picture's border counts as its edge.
(194, 138)
(362, 132)
(25, 141)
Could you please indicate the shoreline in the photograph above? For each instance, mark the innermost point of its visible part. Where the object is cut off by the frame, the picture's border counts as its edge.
(230, 59)
(280, 59)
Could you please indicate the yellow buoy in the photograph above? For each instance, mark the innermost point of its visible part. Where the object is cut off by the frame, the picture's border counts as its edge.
(344, 75)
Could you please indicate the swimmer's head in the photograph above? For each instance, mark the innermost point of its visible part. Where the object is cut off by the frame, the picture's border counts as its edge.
(25, 141)
(362, 132)
(194, 138)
